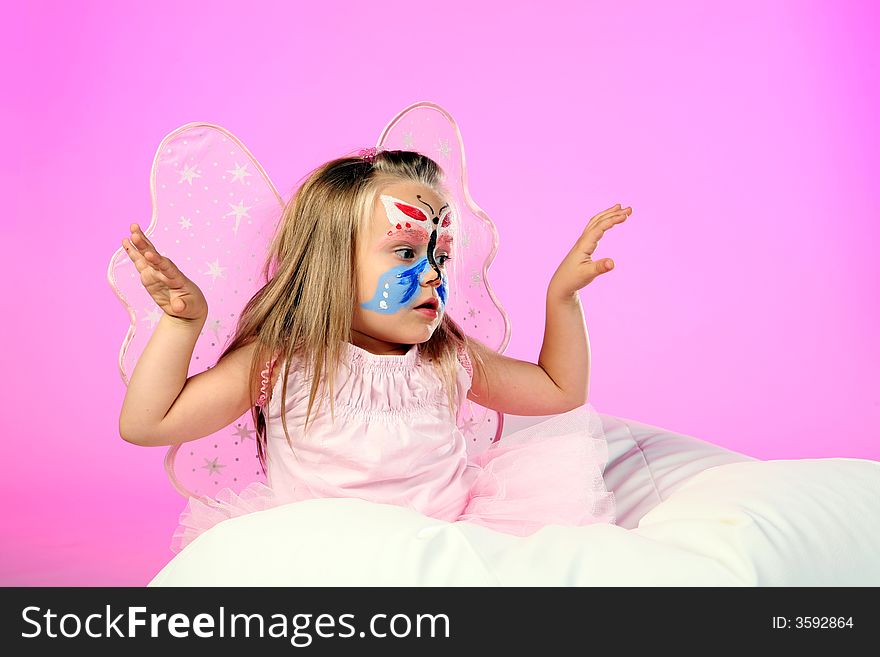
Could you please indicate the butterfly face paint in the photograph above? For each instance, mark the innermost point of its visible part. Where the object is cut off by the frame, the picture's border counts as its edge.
(398, 287)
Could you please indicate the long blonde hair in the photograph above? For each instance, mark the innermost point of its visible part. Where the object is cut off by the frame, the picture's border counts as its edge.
(305, 310)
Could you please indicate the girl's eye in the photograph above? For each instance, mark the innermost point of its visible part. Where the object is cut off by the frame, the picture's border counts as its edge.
(441, 259)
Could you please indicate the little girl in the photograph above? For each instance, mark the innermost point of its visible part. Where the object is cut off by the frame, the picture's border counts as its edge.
(355, 312)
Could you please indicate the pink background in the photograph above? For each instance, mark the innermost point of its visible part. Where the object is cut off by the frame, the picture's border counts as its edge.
(743, 307)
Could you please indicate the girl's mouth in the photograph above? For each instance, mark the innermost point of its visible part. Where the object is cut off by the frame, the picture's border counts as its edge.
(427, 311)
(430, 302)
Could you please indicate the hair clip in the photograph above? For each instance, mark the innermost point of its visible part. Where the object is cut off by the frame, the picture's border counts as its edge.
(368, 153)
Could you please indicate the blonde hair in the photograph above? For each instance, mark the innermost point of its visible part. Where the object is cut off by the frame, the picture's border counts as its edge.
(305, 309)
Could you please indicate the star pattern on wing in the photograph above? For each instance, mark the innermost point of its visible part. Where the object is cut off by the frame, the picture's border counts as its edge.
(468, 426)
(240, 172)
(215, 271)
(188, 174)
(213, 465)
(238, 211)
(215, 325)
(444, 149)
(243, 432)
(152, 316)
(185, 223)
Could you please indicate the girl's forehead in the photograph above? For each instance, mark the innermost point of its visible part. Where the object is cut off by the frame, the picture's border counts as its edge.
(410, 191)
(412, 194)
(414, 236)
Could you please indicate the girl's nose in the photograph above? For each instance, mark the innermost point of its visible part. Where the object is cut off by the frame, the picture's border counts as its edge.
(430, 277)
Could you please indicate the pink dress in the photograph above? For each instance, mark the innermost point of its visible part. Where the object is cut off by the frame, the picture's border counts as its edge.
(395, 442)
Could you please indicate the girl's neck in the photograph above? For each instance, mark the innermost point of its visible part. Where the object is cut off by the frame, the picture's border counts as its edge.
(378, 347)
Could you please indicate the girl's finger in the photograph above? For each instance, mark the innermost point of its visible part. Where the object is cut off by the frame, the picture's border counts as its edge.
(127, 248)
(602, 216)
(611, 221)
(168, 268)
(140, 240)
(145, 258)
(160, 262)
(136, 256)
(620, 217)
(157, 261)
(613, 210)
(602, 225)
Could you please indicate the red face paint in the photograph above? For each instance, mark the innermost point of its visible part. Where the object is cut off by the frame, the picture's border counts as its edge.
(411, 222)
(414, 235)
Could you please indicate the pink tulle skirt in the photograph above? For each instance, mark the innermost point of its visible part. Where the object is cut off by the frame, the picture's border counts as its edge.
(546, 474)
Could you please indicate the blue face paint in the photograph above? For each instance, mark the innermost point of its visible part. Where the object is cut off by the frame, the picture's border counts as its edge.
(398, 286)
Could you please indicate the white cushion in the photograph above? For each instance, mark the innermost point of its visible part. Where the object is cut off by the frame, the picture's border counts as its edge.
(794, 523)
(806, 522)
(328, 542)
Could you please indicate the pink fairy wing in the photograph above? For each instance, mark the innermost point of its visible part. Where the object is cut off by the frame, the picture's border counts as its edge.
(214, 212)
(429, 129)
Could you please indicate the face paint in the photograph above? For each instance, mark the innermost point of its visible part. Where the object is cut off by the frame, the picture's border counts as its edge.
(404, 216)
(398, 286)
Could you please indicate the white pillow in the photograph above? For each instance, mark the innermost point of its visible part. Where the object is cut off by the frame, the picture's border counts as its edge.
(351, 542)
(328, 542)
(805, 522)
(795, 523)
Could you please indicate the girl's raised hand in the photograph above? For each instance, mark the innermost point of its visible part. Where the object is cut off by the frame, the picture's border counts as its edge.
(578, 269)
(174, 293)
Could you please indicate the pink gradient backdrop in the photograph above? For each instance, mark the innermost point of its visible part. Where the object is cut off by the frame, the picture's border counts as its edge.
(743, 308)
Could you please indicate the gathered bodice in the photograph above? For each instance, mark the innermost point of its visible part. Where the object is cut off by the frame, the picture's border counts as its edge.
(394, 439)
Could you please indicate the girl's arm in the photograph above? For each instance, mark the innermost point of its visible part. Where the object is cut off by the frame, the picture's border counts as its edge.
(560, 381)
(158, 378)
(162, 406)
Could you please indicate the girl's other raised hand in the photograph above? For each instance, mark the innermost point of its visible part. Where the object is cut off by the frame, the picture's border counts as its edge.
(578, 268)
(174, 293)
